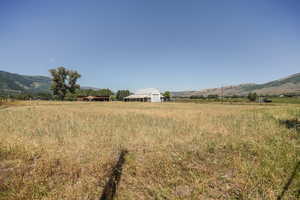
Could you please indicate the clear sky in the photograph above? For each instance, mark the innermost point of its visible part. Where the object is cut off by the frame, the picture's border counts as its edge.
(167, 44)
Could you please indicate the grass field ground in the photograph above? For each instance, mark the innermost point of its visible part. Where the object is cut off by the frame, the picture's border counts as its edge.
(275, 100)
(66, 150)
(293, 100)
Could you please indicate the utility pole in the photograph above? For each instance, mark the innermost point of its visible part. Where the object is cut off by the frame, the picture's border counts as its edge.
(260, 99)
(222, 94)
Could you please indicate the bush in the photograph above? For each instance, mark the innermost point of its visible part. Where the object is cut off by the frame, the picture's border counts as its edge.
(121, 94)
(252, 96)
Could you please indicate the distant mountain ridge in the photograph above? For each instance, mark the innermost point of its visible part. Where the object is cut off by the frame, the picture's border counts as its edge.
(16, 83)
(290, 84)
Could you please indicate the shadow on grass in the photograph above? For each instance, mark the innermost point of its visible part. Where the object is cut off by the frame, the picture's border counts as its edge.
(110, 189)
(291, 124)
(289, 182)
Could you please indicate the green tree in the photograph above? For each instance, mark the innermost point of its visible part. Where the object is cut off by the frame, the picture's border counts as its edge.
(72, 81)
(71, 96)
(197, 97)
(104, 92)
(64, 81)
(252, 96)
(121, 94)
(93, 92)
(212, 96)
(167, 95)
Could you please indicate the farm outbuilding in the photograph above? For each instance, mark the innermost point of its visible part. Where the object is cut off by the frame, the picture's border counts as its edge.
(145, 95)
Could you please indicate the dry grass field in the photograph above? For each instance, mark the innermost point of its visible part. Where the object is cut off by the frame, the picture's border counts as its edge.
(66, 151)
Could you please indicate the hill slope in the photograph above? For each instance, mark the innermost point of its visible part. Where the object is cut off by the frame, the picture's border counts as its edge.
(290, 84)
(15, 83)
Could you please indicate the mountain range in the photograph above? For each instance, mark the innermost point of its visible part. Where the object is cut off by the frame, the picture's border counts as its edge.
(16, 83)
(287, 85)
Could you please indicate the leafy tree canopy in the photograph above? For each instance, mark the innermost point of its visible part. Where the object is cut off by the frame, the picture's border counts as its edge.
(91, 92)
(252, 96)
(167, 95)
(121, 94)
(64, 81)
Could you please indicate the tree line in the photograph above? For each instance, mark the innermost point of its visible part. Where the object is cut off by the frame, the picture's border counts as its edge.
(252, 97)
(64, 87)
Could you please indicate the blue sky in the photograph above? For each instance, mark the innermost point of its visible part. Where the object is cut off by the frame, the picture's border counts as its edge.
(167, 44)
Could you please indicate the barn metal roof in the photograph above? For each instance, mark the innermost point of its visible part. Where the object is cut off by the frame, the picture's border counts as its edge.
(147, 91)
(137, 96)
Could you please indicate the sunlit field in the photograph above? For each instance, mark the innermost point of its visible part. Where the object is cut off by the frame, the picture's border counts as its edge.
(66, 150)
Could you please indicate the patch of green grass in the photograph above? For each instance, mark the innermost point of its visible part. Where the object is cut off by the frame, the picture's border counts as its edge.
(292, 100)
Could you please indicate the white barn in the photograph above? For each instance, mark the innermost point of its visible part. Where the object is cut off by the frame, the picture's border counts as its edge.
(145, 95)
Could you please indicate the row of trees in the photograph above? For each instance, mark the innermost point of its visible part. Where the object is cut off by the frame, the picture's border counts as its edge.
(121, 94)
(64, 86)
(250, 96)
(93, 92)
(29, 96)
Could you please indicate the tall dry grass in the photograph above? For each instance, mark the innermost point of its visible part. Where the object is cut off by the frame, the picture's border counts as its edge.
(55, 150)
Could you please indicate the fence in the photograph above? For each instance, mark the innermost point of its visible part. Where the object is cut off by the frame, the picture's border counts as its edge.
(3, 100)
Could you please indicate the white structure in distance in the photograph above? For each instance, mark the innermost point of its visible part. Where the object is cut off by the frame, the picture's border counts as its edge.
(145, 95)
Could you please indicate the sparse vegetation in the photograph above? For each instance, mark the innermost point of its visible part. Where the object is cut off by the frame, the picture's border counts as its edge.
(293, 100)
(66, 150)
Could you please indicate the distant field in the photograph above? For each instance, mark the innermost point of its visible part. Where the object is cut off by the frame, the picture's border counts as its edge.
(294, 100)
(281, 100)
(66, 150)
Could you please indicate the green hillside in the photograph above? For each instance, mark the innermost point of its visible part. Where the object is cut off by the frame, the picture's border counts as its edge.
(293, 79)
(15, 83)
(290, 84)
